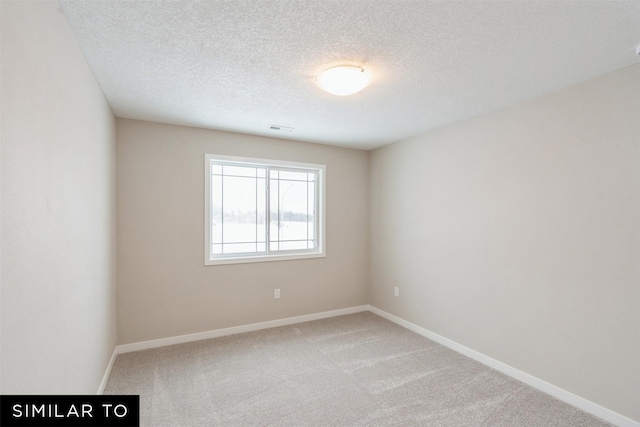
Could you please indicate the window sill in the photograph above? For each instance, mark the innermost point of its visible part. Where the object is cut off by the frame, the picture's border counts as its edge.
(263, 258)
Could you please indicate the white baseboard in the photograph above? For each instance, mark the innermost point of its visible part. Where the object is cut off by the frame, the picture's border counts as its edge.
(144, 345)
(107, 372)
(557, 392)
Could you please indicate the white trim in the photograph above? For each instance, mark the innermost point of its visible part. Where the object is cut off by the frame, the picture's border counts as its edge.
(107, 372)
(320, 203)
(264, 162)
(557, 392)
(265, 258)
(144, 345)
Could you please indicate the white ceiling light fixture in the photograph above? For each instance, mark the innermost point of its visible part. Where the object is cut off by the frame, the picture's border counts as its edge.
(344, 80)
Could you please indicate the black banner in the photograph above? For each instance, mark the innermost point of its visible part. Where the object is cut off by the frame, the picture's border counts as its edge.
(69, 411)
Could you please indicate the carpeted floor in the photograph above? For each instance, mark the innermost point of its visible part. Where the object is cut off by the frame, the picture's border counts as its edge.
(355, 370)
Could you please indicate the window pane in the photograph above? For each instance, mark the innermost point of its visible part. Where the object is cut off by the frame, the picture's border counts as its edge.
(293, 210)
(296, 176)
(239, 170)
(274, 215)
(239, 233)
(216, 169)
(290, 246)
(216, 207)
(311, 230)
(239, 204)
(293, 230)
(261, 222)
(311, 210)
(238, 248)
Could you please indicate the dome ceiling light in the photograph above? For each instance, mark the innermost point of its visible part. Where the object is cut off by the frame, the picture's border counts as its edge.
(344, 80)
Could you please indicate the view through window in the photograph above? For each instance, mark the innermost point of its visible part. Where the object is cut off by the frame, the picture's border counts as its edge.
(262, 210)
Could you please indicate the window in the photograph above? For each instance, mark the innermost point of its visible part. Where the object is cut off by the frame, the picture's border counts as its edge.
(262, 210)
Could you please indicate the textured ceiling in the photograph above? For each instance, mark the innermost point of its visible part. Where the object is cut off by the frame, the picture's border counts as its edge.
(244, 65)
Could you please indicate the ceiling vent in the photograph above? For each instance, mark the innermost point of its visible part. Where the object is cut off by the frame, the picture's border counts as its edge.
(280, 128)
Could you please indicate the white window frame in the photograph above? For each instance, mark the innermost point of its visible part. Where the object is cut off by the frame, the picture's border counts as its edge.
(280, 255)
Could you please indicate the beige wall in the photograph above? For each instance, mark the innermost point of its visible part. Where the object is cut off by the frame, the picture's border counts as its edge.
(58, 327)
(164, 288)
(517, 234)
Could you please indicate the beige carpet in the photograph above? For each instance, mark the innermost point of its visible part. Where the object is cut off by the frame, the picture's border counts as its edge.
(355, 370)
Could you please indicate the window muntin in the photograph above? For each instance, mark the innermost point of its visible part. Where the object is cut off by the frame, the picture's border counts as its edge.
(262, 210)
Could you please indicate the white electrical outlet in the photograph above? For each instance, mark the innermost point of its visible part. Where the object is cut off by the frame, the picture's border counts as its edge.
(276, 294)
(396, 291)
